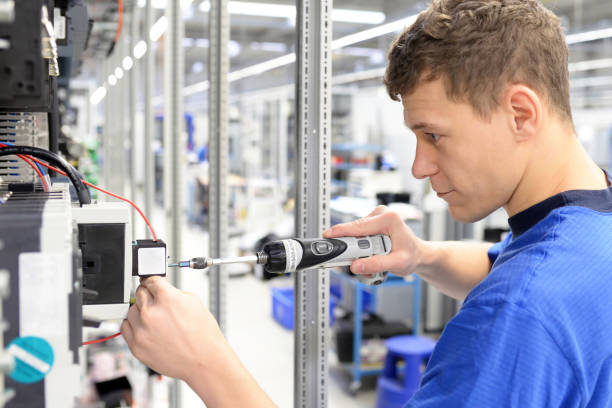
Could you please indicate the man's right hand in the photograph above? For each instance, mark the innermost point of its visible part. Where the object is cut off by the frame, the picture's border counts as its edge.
(406, 251)
(454, 268)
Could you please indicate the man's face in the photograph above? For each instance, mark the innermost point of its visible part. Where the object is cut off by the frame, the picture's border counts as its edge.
(473, 164)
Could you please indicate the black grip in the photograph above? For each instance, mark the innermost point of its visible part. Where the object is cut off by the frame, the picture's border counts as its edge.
(310, 258)
(277, 258)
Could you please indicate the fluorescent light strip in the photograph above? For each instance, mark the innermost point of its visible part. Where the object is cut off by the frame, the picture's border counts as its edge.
(339, 43)
(158, 28)
(592, 81)
(358, 37)
(98, 95)
(358, 76)
(588, 36)
(127, 63)
(365, 35)
(289, 12)
(590, 64)
(261, 67)
(140, 49)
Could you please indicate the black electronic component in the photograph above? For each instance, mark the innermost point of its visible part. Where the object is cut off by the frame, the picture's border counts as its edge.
(102, 246)
(25, 73)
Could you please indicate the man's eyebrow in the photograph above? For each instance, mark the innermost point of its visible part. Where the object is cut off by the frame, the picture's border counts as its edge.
(419, 126)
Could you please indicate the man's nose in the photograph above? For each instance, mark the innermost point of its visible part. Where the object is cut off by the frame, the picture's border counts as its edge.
(424, 161)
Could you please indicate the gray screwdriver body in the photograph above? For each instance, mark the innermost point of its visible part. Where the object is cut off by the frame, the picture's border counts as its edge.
(292, 255)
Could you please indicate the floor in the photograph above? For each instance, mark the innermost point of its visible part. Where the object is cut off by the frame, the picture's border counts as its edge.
(265, 347)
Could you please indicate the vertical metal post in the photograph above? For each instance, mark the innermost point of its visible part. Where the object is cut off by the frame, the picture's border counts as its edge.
(313, 112)
(218, 67)
(173, 127)
(174, 120)
(107, 129)
(149, 170)
(132, 89)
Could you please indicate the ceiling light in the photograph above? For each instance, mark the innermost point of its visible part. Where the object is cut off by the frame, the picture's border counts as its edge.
(98, 95)
(127, 63)
(261, 9)
(590, 81)
(358, 16)
(261, 67)
(158, 28)
(368, 34)
(112, 80)
(195, 88)
(590, 64)
(140, 49)
(161, 4)
(119, 72)
(588, 36)
(197, 67)
(289, 12)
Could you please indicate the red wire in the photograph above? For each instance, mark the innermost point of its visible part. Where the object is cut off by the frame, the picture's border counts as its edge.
(42, 178)
(120, 19)
(27, 159)
(127, 201)
(85, 343)
(99, 189)
(105, 192)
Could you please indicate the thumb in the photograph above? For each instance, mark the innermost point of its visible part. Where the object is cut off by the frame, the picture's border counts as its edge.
(157, 286)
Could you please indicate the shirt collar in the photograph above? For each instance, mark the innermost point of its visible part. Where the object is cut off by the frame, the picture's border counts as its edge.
(598, 200)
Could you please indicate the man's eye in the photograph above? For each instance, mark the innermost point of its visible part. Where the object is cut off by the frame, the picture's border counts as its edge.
(433, 136)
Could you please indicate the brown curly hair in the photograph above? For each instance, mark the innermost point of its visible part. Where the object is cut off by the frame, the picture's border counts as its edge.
(479, 46)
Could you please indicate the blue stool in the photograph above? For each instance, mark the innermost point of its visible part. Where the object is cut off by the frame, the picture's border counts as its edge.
(393, 389)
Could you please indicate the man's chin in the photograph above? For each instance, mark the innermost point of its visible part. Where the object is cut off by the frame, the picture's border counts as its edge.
(465, 215)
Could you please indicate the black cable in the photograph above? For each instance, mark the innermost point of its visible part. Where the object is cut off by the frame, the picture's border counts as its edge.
(81, 190)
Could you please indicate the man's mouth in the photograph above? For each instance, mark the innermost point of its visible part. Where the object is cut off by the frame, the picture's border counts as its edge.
(443, 194)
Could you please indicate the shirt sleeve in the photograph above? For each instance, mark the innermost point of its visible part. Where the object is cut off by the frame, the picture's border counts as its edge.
(496, 249)
(497, 356)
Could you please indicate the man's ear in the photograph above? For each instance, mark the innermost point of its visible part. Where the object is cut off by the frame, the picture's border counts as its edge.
(525, 110)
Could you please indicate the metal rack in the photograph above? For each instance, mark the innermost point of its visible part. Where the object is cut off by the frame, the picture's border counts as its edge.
(218, 153)
(313, 113)
(355, 368)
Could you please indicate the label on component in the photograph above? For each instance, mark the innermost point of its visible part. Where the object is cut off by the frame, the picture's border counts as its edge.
(294, 252)
(59, 24)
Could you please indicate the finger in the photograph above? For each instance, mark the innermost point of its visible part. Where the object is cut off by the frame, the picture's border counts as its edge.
(377, 263)
(157, 286)
(378, 210)
(364, 226)
(143, 297)
(133, 317)
(127, 332)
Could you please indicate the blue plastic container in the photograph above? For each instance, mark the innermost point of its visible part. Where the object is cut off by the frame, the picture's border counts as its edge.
(282, 307)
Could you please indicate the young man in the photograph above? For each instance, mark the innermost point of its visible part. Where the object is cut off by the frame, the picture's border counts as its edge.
(485, 89)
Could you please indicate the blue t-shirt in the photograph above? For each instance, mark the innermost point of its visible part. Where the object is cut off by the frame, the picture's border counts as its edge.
(537, 331)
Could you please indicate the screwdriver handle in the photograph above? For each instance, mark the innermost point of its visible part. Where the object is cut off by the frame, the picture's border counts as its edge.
(291, 255)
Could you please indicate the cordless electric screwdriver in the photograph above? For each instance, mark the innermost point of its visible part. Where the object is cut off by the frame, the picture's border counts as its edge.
(292, 255)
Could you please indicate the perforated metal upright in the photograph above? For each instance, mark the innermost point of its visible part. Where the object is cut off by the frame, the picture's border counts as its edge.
(174, 120)
(149, 73)
(133, 86)
(218, 66)
(313, 112)
(173, 127)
